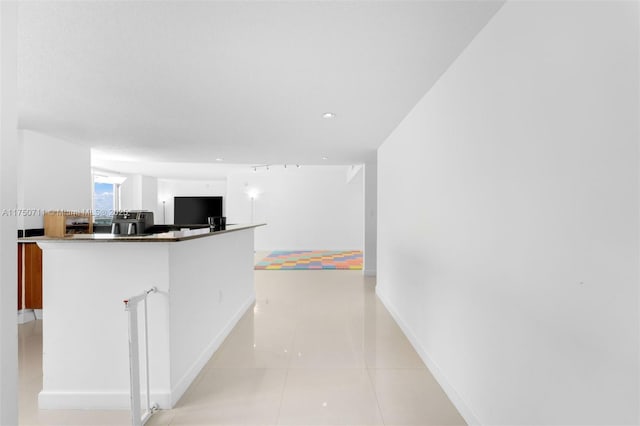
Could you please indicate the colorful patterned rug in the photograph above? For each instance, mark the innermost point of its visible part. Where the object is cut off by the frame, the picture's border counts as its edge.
(311, 259)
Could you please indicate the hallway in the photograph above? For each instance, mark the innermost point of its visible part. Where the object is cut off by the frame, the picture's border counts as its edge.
(318, 348)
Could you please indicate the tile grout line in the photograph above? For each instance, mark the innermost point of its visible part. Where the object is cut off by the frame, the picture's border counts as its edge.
(286, 376)
(368, 372)
(284, 386)
(375, 394)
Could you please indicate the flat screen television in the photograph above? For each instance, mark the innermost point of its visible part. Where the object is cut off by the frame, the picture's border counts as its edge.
(195, 210)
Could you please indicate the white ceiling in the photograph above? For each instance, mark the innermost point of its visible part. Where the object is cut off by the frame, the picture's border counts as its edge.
(247, 81)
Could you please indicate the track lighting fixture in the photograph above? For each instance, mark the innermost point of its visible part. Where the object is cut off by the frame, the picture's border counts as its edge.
(268, 166)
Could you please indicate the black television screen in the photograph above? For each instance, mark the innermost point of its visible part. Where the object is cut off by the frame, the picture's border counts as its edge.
(195, 210)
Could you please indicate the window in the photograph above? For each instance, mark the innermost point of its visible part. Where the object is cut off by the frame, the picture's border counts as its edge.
(106, 197)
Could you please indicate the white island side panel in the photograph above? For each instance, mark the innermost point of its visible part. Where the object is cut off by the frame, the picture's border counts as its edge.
(205, 285)
(216, 287)
(85, 331)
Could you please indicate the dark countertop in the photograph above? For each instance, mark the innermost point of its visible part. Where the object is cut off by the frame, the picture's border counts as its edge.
(169, 236)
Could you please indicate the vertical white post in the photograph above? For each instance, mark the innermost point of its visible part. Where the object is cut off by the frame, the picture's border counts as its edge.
(370, 215)
(134, 364)
(253, 200)
(8, 205)
(146, 353)
(138, 418)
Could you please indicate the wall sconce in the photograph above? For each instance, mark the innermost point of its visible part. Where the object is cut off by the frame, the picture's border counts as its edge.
(252, 193)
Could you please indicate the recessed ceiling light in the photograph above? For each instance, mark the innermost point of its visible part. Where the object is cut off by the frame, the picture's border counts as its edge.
(219, 159)
(328, 115)
(325, 158)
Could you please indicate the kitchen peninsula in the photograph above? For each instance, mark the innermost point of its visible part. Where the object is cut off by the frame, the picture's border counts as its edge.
(204, 284)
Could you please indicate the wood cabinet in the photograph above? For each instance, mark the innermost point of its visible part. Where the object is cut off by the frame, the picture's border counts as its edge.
(29, 276)
(63, 223)
(56, 224)
(20, 250)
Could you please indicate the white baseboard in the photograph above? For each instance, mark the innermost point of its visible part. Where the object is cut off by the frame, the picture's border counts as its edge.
(52, 400)
(65, 400)
(462, 407)
(183, 384)
(38, 313)
(26, 315)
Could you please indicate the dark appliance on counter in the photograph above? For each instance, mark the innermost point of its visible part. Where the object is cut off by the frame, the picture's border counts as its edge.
(132, 222)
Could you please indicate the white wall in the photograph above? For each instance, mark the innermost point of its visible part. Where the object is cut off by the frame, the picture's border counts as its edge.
(312, 207)
(508, 218)
(8, 223)
(169, 188)
(140, 192)
(149, 195)
(54, 175)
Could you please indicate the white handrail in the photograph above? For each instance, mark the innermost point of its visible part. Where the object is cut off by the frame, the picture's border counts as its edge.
(131, 306)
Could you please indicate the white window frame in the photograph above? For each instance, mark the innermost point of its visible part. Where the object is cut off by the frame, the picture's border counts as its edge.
(98, 176)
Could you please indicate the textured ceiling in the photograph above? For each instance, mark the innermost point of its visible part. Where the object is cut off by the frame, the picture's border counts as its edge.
(183, 81)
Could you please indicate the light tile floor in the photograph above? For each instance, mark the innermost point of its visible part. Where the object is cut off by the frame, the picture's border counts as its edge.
(318, 348)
